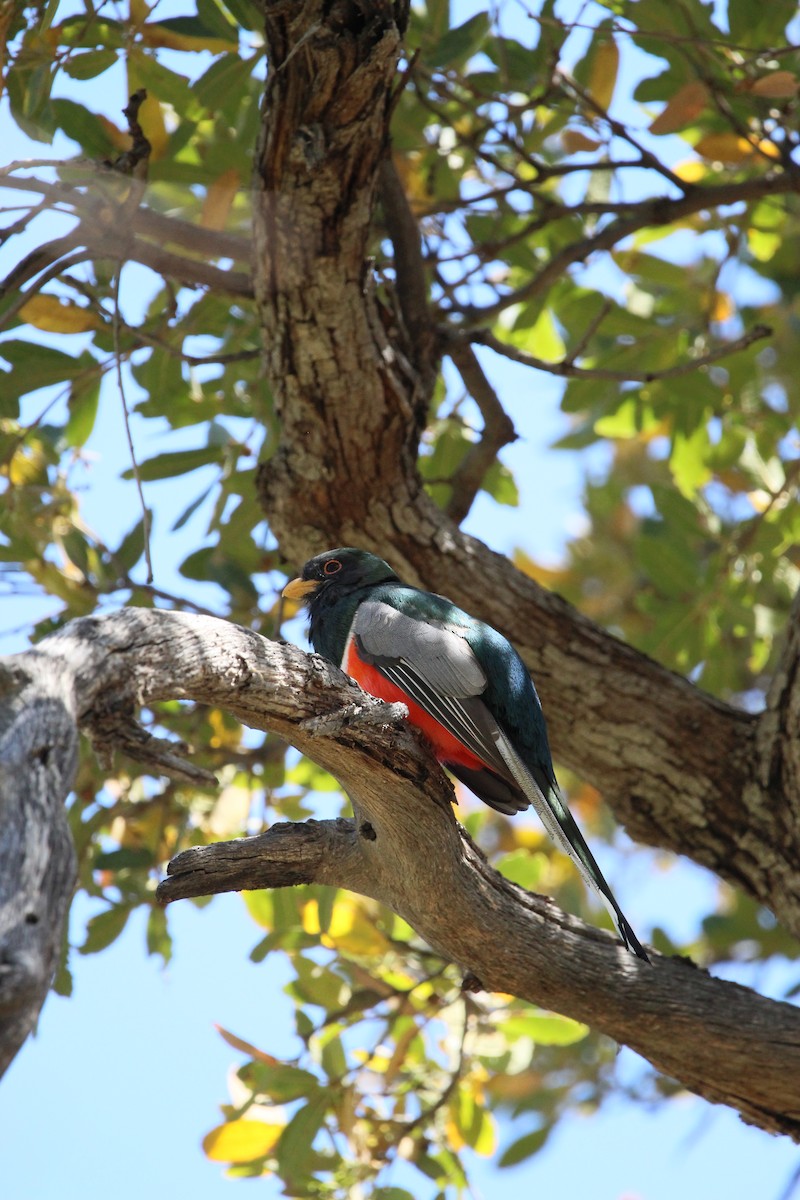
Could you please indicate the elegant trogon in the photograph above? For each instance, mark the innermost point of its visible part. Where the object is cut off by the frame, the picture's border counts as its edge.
(464, 684)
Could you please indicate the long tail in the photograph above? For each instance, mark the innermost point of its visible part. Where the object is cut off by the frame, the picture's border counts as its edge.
(559, 822)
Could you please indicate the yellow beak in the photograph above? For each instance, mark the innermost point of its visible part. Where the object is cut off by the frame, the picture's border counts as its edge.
(298, 589)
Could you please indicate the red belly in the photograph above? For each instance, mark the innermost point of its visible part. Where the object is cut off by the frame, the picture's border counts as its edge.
(447, 748)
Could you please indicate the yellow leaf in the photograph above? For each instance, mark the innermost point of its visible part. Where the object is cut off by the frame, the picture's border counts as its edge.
(57, 316)
(603, 77)
(352, 930)
(260, 907)
(168, 39)
(241, 1141)
(219, 198)
(763, 245)
(309, 917)
(690, 170)
(550, 577)
(119, 140)
(730, 148)
(151, 117)
(687, 103)
(760, 500)
(226, 733)
(778, 86)
(575, 142)
(723, 307)
(468, 1122)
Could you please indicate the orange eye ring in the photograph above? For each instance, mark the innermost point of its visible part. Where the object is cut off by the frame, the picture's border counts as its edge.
(331, 567)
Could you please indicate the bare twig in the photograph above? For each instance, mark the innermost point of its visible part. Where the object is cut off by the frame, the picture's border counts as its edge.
(658, 211)
(646, 158)
(135, 160)
(409, 265)
(498, 431)
(567, 368)
(126, 418)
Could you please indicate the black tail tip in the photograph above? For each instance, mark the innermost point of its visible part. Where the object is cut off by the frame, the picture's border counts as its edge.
(632, 943)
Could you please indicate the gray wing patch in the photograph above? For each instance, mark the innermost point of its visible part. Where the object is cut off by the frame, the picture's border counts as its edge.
(437, 670)
(444, 659)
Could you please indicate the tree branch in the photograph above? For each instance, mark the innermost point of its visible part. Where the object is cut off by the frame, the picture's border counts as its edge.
(659, 210)
(709, 1034)
(567, 368)
(498, 431)
(144, 237)
(409, 267)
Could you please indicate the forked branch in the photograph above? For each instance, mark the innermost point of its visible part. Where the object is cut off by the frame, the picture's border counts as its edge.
(699, 1029)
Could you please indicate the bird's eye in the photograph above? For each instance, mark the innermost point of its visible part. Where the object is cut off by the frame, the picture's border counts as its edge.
(332, 566)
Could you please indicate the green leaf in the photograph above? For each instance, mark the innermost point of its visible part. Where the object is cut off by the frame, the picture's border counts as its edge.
(281, 1084)
(131, 548)
(688, 461)
(105, 928)
(501, 485)
(84, 398)
(192, 508)
(245, 13)
(167, 86)
(541, 338)
(307, 774)
(89, 63)
(48, 15)
(315, 984)
(334, 1061)
(524, 1147)
(523, 867)
(159, 940)
(755, 24)
(460, 44)
(546, 1029)
(223, 81)
(125, 858)
(294, 1146)
(34, 366)
(215, 20)
(85, 128)
(175, 462)
(667, 563)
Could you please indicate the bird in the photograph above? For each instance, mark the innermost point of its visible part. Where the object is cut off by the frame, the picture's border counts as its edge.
(465, 687)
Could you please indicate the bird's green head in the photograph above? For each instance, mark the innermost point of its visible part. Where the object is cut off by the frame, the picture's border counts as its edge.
(332, 586)
(338, 572)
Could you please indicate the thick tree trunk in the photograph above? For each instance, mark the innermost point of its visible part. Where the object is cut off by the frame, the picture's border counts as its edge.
(38, 756)
(680, 770)
(720, 1040)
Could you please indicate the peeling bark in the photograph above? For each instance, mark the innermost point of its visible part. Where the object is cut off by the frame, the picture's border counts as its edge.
(718, 1039)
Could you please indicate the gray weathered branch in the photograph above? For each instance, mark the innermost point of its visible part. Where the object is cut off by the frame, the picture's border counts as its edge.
(720, 1040)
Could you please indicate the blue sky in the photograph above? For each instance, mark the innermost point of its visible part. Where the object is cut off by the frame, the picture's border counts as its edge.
(122, 1080)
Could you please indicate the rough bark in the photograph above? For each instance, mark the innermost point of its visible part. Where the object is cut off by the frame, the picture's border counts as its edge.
(680, 770)
(720, 1040)
(38, 756)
